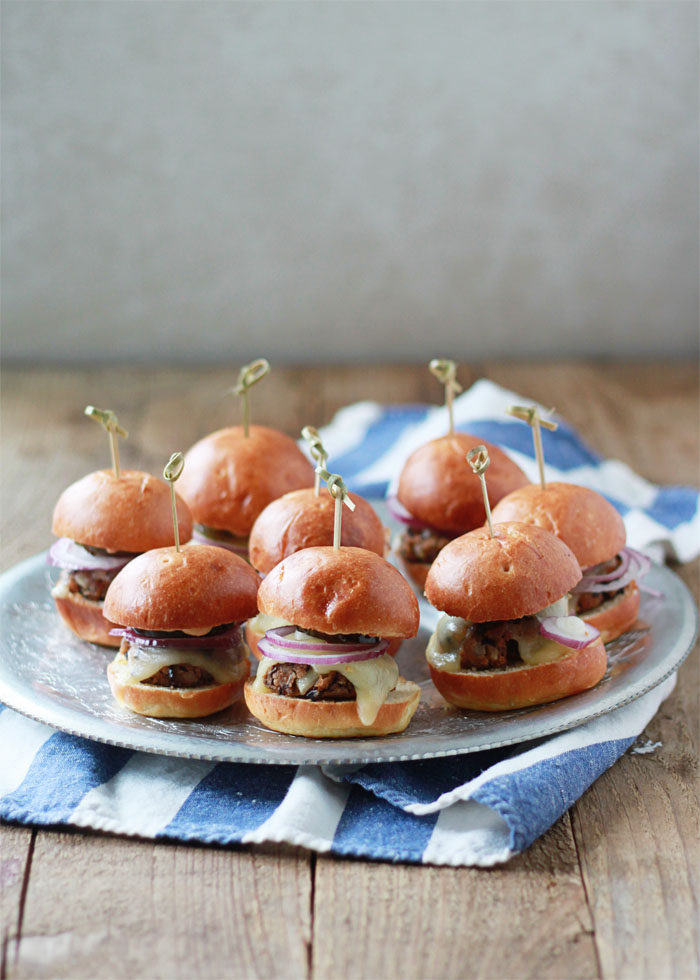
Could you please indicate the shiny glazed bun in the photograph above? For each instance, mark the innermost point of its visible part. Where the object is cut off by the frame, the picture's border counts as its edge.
(582, 518)
(229, 478)
(332, 719)
(438, 486)
(197, 587)
(173, 702)
(349, 590)
(522, 685)
(518, 572)
(129, 513)
(300, 519)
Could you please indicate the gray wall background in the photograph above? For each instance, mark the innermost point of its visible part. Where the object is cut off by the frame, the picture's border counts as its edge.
(191, 181)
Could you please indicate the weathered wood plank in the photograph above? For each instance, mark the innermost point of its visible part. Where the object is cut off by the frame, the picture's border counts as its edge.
(15, 857)
(527, 919)
(108, 907)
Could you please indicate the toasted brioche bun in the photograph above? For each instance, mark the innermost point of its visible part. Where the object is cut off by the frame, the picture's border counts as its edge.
(172, 702)
(229, 478)
(83, 616)
(518, 572)
(348, 590)
(615, 616)
(437, 484)
(132, 513)
(197, 587)
(523, 685)
(332, 719)
(252, 636)
(301, 519)
(582, 518)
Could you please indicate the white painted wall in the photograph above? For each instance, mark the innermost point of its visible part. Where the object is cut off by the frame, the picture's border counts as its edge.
(191, 181)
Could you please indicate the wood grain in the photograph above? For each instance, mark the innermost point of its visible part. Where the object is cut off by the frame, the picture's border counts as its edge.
(611, 890)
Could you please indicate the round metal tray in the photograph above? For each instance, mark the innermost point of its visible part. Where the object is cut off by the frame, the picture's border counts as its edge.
(50, 675)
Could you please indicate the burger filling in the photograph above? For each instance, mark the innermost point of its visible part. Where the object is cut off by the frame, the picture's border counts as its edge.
(421, 545)
(586, 602)
(90, 583)
(368, 681)
(203, 534)
(177, 659)
(458, 644)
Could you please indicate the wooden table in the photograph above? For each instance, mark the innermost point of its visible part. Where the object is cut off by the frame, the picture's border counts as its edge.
(610, 891)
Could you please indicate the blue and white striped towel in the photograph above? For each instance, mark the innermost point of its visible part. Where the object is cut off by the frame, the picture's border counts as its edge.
(476, 809)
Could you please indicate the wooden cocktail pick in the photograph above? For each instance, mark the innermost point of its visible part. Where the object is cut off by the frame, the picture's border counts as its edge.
(339, 492)
(478, 459)
(108, 420)
(446, 372)
(249, 375)
(173, 469)
(318, 452)
(531, 415)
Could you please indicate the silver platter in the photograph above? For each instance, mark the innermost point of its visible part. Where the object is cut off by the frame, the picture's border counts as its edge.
(48, 674)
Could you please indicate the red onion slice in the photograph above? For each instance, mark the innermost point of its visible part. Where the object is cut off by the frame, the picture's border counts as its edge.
(314, 659)
(619, 569)
(237, 549)
(218, 641)
(633, 565)
(281, 637)
(399, 513)
(570, 631)
(68, 554)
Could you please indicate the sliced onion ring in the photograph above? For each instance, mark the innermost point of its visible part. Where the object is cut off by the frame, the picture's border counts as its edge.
(633, 565)
(68, 554)
(399, 513)
(570, 631)
(229, 638)
(320, 654)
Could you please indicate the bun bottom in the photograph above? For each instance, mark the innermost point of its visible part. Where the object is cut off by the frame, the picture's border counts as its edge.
(84, 617)
(520, 687)
(332, 719)
(172, 702)
(615, 616)
(252, 636)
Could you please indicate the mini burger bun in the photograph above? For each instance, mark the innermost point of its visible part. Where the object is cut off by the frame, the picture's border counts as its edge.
(252, 636)
(615, 616)
(518, 572)
(83, 616)
(199, 586)
(172, 702)
(344, 590)
(523, 685)
(300, 519)
(417, 571)
(332, 719)
(438, 487)
(230, 477)
(130, 513)
(582, 518)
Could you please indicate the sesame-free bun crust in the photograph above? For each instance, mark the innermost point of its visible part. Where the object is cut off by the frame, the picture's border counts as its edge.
(300, 519)
(521, 686)
(582, 518)
(350, 590)
(132, 513)
(172, 702)
(332, 719)
(229, 478)
(438, 486)
(199, 586)
(252, 636)
(615, 616)
(83, 616)
(518, 572)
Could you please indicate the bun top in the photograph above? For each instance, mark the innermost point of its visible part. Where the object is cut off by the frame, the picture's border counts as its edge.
(300, 519)
(519, 571)
(585, 521)
(132, 513)
(438, 486)
(229, 478)
(199, 587)
(350, 590)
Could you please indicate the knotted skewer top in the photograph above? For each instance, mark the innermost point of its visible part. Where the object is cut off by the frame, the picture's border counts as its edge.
(478, 459)
(108, 420)
(446, 372)
(531, 415)
(249, 375)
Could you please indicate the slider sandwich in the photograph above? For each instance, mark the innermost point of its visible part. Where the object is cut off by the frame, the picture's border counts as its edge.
(326, 672)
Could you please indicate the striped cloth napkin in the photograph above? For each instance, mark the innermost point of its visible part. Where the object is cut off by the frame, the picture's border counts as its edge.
(477, 809)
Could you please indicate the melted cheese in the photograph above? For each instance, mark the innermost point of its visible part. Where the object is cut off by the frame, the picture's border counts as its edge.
(444, 653)
(440, 659)
(540, 650)
(223, 665)
(372, 680)
(262, 623)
